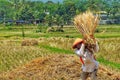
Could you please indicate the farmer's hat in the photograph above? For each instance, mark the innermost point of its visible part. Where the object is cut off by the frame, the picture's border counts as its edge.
(76, 42)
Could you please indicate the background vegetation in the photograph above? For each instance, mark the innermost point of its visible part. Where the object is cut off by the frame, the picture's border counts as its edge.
(54, 13)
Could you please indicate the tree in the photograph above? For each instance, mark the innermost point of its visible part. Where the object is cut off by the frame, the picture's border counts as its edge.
(94, 5)
(70, 11)
(58, 20)
(111, 7)
(4, 9)
(49, 20)
(115, 8)
(50, 11)
(81, 5)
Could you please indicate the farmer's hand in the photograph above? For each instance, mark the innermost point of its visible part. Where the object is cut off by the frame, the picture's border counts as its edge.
(92, 37)
(83, 41)
(85, 36)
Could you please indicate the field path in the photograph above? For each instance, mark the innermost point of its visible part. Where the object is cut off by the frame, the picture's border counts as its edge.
(55, 67)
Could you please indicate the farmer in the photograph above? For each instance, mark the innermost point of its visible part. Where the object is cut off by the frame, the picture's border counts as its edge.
(89, 63)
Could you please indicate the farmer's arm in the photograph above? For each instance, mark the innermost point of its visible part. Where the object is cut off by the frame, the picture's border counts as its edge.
(81, 50)
(96, 47)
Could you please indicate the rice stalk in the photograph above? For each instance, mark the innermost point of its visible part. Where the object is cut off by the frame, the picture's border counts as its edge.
(86, 24)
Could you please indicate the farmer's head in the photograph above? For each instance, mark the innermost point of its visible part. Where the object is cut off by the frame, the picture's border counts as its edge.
(77, 43)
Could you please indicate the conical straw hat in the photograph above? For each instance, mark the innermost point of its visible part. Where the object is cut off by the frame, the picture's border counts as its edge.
(77, 41)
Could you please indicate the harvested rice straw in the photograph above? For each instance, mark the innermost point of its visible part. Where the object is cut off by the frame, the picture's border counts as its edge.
(86, 24)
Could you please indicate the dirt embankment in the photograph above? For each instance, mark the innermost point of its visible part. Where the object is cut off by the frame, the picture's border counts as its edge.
(55, 67)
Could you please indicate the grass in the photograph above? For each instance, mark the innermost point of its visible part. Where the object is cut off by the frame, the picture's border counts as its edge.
(57, 50)
(104, 31)
(109, 63)
(108, 35)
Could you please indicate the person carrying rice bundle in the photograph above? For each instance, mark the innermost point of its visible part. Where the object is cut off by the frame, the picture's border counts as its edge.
(86, 47)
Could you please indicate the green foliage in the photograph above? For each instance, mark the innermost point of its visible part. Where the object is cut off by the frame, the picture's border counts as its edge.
(39, 27)
(55, 13)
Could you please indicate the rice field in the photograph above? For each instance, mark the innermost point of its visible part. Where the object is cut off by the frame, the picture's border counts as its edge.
(19, 62)
(103, 31)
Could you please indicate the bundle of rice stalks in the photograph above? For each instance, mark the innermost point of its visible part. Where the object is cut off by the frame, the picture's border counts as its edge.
(86, 24)
(28, 42)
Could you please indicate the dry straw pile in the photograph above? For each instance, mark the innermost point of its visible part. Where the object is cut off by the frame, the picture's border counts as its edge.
(55, 67)
(86, 24)
(29, 42)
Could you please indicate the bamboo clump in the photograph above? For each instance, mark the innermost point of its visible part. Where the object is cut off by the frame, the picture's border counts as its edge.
(86, 24)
